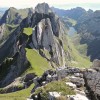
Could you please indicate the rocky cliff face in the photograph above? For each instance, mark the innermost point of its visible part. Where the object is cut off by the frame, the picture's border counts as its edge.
(46, 40)
(92, 81)
(48, 35)
(1, 31)
(14, 49)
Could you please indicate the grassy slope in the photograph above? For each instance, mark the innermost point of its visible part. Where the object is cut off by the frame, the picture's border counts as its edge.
(19, 95)
(27, 31)
(72, 21)
(69, 20)
(38, 63)
(82, 48)
(8, 30)
(78, 59)
(58, 86)
(75, 59)
(13, 13)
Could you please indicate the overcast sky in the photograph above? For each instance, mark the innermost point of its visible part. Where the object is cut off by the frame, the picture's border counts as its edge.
(64, 4)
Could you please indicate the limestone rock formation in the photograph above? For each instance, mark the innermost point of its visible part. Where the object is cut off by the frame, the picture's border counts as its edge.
(96, 64)
(1, 31)
(45, 39)
(43, 8)
(92, 81)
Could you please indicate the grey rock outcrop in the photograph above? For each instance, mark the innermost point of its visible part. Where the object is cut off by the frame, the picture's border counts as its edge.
(96, 64)
(46, 40)
(43, 8)
(1, 31)
(48, 35)
(18, 66)
(92, 81)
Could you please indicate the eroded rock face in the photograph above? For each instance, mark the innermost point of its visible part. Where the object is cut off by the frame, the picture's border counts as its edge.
(43, 8)
(44, 38)
(92, 81)
(48, 34)
(1, 31)
(19, 63)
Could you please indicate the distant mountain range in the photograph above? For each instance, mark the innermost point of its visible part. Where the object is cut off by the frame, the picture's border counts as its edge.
(74, 13)
(87, 26)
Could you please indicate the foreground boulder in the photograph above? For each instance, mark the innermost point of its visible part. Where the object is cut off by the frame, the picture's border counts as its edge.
(92, 81)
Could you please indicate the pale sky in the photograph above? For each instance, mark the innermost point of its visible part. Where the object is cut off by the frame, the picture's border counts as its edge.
(64, 4)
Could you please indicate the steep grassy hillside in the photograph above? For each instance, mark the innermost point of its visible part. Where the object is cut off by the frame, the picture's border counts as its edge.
(8, 29)
(77, 59)
(58, 86)
(69, 21)
(28, 31)
(38, 63)
(19, 95)
(82, 48)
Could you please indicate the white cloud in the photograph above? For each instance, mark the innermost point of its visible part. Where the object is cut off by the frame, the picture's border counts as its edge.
(33, 3)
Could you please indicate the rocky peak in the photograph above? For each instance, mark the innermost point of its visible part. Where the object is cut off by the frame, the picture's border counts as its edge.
(11, 9)
(15, 16)
(43, 8)
(96, 14)
(48, 36)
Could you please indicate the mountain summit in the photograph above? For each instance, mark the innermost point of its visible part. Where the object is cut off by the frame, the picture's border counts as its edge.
(43, 8)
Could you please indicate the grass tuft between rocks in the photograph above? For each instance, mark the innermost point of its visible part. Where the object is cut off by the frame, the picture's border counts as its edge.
(55, 86)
